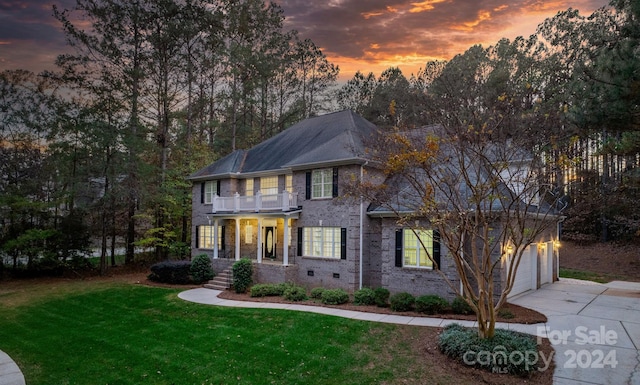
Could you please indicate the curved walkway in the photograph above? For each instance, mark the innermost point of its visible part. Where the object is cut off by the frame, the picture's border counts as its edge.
(10, 373)
(210, 297)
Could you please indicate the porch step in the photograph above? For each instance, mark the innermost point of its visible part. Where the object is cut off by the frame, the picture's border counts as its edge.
(222, 281)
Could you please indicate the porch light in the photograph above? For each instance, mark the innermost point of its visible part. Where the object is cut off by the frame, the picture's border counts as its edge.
(556, 244)
(509, 249)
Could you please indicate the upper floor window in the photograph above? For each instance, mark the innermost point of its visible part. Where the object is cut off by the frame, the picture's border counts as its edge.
(269, 185)
(288, 183)
(248, 187)
(209, 189)
(322, 183)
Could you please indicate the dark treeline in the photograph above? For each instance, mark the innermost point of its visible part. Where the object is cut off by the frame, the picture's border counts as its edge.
(98, 150)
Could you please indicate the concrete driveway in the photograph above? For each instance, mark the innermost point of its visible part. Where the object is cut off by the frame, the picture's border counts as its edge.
(595, 330)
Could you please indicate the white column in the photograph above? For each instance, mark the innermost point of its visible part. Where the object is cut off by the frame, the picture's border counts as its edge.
(259, 240)
(215, 239)
(237, 239)
(285, 246)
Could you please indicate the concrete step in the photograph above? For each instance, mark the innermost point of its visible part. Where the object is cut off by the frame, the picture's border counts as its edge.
(222, 281)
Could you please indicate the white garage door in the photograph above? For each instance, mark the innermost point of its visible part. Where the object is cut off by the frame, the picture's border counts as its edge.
(526, 275)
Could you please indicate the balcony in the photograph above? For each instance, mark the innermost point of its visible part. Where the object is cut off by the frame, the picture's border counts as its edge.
(284, 201)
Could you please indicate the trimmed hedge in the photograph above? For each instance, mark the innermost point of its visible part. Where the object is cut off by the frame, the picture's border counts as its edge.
(431, 304)
(174, 272)
(334, 297)
(382, 296)
(268, 289)
(364, 296)
(508, 351)
(242, 275)
(201, 269)
(295, 293)
(402, 301)
(316, 292)
(460, 306)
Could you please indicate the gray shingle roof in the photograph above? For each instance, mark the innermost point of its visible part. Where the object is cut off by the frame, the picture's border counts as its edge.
(332, 138)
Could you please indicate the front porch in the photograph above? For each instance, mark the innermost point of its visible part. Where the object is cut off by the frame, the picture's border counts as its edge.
(265, 238)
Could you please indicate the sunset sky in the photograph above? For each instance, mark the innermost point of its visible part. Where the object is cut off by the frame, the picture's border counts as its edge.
(365, 35)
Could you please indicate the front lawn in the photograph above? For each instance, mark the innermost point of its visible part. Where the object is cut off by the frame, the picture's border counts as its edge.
(119, 333)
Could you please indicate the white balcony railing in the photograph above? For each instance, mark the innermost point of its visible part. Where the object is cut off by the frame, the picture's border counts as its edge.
(284, 201)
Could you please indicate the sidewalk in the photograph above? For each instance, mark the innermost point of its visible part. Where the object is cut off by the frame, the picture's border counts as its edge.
(10, 373)
(210, 297)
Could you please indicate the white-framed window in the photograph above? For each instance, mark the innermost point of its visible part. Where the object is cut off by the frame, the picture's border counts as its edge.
(322, 242)
(322, 183)
(248, 187)
(269, 185)
(288, 183)
(210, 189)
(206, 239)
(414, 254)
(248, 234)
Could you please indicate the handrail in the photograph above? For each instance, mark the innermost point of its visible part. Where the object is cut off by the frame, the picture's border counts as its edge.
(284, 201)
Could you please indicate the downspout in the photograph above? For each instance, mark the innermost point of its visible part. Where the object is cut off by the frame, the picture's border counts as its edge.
(361, 231)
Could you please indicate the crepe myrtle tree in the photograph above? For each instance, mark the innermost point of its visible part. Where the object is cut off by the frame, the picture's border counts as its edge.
(480, 192)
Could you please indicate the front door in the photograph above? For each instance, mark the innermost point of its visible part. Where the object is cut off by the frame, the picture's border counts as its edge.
(270, 242)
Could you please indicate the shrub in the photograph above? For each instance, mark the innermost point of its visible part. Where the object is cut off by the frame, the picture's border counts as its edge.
(431, 304)
(316, 292)
(402, 302)
(201, 269)
(506, 314)
(295, 293)
(382, 296)
(334, 297)
(460, 306)
(242, 275)
(508, 351)
(174, 272)
(364, 296)
(268, 289)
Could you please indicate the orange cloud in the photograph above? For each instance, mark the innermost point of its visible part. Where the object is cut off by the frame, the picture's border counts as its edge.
(470, 25)
(368, 15)
(423, 6)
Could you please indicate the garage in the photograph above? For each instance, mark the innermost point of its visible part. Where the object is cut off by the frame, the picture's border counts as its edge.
(527, 273)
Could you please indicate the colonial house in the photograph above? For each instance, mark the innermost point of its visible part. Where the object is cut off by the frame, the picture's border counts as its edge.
(282, 204)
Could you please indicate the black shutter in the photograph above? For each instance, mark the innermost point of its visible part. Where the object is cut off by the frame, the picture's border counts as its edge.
(335, 182)
(399, 248)
(197, 237)
(436, 248)
(222, 242)
(202, 192)
(308, 186)
(343, 243)
(299, 241)
(218, 187)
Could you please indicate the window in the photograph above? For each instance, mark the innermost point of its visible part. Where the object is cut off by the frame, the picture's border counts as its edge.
(205, 237)
(327, 242)
(269, 185)
(248, 187)
(209, 189)
(414, 247)
(288, 183)
(322, 183)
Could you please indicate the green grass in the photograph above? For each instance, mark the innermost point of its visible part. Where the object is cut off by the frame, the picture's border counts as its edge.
(110, 333)
(586, 275)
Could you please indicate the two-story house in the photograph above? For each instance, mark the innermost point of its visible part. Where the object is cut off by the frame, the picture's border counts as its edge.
(282, 204)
